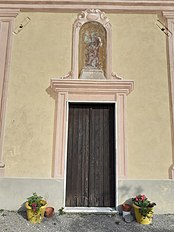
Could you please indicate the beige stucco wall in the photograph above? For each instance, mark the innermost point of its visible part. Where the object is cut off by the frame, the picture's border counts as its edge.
(139, 53)
(43, 50)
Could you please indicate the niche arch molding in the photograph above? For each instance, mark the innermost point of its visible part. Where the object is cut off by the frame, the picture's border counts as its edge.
(87, 16)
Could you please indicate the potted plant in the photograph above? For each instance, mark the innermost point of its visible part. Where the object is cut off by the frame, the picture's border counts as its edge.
(35, 207)
(143, 209)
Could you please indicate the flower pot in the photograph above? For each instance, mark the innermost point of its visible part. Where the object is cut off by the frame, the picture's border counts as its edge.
(35, 217)
(126, 208)
(49, 211)
(141, 219)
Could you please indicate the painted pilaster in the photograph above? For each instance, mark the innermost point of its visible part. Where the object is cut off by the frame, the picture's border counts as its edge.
(169, 15)
(121, 138)
(7, 17)
(60, 137)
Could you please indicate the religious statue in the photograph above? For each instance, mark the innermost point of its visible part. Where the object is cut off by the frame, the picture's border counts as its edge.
(93, 43)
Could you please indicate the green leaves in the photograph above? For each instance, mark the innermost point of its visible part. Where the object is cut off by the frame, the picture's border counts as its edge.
(146, 211)
(61, 211)
(145, 205)
(35, 202)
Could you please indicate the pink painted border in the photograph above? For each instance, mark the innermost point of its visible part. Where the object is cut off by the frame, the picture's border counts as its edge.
(170, 24)
(109, 5)
(7, 17)
(87, 91)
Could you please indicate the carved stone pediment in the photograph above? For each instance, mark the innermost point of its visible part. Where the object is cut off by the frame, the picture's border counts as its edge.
(92, 15)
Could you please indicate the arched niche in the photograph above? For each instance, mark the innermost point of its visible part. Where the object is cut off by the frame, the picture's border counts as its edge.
(92, 49)
(91, 21)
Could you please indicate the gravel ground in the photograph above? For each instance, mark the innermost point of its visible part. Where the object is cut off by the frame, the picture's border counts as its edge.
(16, 222)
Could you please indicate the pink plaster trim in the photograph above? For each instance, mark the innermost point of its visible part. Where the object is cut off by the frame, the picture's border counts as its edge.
(60, 135)
(84, 17)
(170, 24)
(92, 86)
(6, 27)
(168, 14)
(9, 13)
(89, 90)
(121, 123)
(109, 5)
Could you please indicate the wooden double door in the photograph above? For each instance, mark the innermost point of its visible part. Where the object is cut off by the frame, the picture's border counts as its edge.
(90, 178)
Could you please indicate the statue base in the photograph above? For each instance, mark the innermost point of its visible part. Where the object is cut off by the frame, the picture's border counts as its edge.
(92, 73)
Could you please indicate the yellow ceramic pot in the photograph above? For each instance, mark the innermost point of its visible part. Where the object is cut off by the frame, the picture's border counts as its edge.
(34, 217)
(141, 219)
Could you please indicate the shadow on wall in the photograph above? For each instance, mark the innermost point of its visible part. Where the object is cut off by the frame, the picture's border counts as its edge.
(51, 93)
(127, 193)
(125, 190)
(170, 171)
(22, 211)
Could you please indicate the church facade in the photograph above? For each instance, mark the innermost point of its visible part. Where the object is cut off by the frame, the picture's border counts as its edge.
(87, 97)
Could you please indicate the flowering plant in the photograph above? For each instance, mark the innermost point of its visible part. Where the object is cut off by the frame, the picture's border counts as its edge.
(35, 202)
(144, 204)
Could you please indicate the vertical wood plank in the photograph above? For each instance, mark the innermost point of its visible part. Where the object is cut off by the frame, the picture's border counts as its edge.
(105, 157)
(85, 156)
(75, 174)
(91, 159)
(69, 157)
(101, 155)
(111, 161)
(79, 149)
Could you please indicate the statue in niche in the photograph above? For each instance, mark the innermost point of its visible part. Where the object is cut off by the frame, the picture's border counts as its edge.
(93, 43)
(92, 51)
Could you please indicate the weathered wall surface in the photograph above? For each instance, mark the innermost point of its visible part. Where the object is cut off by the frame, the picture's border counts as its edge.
(16, 190)
(42, 50)
(158, 191)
